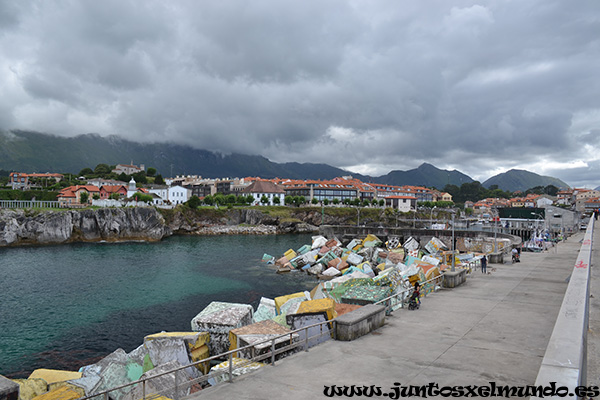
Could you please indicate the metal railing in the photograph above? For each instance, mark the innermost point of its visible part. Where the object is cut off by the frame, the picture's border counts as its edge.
(29, 204)
(565, 359)
(180, 384)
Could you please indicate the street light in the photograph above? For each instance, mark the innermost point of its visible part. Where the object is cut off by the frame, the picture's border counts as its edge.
(431, 217)
(453, 260)
(496, 218)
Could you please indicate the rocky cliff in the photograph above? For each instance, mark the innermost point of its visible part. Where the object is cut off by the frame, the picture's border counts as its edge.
(242, 221)
(21, 227)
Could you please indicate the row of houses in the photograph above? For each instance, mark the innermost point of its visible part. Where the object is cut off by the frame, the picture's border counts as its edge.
(23, 181)
(402, 198)
(580, 200)
(103, 190)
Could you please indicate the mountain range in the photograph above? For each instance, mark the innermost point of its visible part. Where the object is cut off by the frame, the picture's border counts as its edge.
(27, 151)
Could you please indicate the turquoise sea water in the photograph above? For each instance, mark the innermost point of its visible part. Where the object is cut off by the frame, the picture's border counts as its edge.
(66, 306)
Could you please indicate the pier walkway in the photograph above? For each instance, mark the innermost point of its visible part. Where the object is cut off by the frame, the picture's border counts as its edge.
(493, 328)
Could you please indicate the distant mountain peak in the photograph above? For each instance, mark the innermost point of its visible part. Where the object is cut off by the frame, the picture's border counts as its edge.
(520, 179)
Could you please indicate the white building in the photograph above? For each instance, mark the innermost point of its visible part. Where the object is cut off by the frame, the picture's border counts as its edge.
(401, 203)
(172, 194)
(131, 188)
(543, 201)
(128, 169)
(258, 189)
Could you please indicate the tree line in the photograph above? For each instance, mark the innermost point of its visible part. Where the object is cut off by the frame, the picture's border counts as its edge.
(474, 191)
(104, 171)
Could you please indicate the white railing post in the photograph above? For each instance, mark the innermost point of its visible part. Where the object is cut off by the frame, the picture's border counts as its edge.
(230, 367)
(272, 351)
(176, 386)
(306, 338)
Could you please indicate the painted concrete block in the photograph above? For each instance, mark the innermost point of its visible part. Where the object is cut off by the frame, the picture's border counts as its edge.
(30, 388)
(359, 322)
(316, 334)
(9, 390)
(54, 375)
(218, 318)
(256, 335)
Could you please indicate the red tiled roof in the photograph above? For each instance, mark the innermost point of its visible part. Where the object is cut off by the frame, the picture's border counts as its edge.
(401, 197)
(263, 187)
(113, 188)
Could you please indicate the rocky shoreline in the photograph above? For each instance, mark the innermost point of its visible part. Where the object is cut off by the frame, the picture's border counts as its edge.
(27, 227)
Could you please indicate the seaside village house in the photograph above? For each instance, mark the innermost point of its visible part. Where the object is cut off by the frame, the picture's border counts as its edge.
(71, 196)
(161, 195)
(128, 169)
(22, 181)
(401, 203)
(258, 189)
(107, 190)
(169, 194)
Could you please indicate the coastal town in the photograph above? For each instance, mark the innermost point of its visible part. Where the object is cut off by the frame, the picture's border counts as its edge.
(340, 191)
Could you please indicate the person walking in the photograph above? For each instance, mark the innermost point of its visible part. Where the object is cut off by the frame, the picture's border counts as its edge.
(484, 264)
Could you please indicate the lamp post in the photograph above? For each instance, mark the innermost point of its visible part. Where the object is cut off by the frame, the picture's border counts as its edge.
(453, 258)
(431, 217)
(496, 218)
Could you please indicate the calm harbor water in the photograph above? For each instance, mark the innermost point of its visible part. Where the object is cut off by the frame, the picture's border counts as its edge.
(66, 306)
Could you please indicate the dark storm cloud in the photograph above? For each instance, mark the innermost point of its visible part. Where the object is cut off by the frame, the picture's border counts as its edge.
(368, 86)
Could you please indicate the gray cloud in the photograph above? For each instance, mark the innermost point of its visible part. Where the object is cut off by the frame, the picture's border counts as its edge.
(481, 87)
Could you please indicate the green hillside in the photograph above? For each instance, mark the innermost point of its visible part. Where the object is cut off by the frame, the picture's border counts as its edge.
(425, 175)
(36, 152)
(518, 179)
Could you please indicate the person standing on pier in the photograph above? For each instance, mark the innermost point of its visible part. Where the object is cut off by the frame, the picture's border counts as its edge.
(484, 264)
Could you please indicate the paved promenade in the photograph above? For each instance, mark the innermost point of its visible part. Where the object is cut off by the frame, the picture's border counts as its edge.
(495, 327)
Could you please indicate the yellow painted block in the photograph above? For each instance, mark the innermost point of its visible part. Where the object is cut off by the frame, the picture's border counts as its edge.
(30, 388)
(381, 266)
(57, 385)
(320, 305)
(370, 238)
(62, 393)
(281, 300)
(54, 375)
(290, 254)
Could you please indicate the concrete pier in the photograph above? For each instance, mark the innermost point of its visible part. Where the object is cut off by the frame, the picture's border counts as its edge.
(493, 328)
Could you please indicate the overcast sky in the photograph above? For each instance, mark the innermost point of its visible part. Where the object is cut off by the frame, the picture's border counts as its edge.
(369, 86)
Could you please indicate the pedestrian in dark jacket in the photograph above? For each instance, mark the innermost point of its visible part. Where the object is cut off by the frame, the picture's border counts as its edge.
(484, 264)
